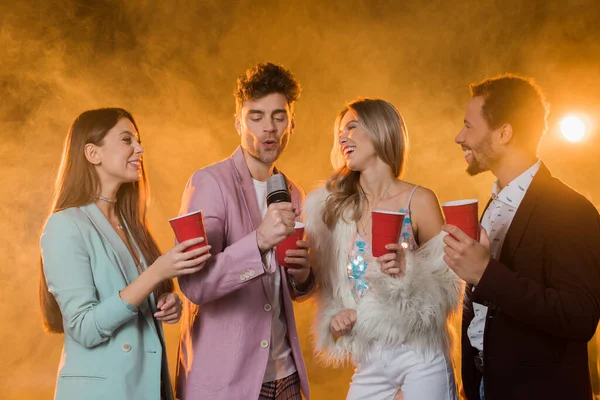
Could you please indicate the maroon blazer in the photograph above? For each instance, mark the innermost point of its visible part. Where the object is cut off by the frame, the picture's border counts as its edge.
(543, 296)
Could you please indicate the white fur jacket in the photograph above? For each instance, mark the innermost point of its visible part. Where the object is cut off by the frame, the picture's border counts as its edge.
(412, 310)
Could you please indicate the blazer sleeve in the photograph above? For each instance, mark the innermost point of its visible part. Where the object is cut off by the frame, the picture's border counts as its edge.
(232, 265)
(298, 295)
(68, 272)
(567, 304)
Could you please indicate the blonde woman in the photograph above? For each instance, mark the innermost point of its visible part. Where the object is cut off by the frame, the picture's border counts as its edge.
(388, 314)
(104, 283)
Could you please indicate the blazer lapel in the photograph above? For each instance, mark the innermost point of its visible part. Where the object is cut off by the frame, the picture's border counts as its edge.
(296, 198)
(246, 187)
(523, 214)
(149, 306)
(122, 256)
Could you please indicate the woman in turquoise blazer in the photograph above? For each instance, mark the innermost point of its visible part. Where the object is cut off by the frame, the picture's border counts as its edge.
(104, 282)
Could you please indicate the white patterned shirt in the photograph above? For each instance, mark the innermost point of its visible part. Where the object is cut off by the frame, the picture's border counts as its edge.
(281, 361)
(496, 221)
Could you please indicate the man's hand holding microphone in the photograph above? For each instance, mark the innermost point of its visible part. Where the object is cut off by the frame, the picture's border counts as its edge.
(278, 224)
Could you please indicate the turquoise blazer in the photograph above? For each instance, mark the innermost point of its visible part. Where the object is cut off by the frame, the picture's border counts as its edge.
(112, 350)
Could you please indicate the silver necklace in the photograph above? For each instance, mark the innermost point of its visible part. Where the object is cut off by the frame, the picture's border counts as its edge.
(107, 199)
(364, 233)
(117, 224)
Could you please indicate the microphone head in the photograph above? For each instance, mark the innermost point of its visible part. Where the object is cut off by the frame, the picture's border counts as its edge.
(277, 191)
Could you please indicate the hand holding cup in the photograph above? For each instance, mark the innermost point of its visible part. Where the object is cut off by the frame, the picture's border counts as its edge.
(386, 226)
(394, 263)
(182, 261)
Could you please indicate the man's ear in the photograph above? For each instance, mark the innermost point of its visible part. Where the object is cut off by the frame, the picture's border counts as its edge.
(506, 134)
(238, 125)
(92, 154)
(292, 125)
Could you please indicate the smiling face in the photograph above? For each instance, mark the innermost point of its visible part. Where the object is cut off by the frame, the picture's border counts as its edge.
(355, 144)
(477, 139)
(265, 126)
(118, 159)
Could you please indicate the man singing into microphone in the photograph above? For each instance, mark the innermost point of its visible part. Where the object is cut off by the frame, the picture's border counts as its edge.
(238, 334)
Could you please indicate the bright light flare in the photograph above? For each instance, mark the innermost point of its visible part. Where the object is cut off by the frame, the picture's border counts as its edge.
(572, 128)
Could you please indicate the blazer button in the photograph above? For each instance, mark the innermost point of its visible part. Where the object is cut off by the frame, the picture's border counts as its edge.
(264, 344)
(252, 273)
(126, 348)
(268, 307)
(243, 277)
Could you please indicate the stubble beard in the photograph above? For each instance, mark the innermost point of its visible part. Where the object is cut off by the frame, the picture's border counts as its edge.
(484, 159)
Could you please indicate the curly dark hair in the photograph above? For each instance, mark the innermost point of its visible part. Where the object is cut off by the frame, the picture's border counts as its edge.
(515, 100)
(264, 79)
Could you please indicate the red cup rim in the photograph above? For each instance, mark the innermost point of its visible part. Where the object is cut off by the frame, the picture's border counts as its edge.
(186, 215)
(388, 212)
(455, 203)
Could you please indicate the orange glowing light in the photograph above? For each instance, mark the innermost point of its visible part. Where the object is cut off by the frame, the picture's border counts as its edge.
(573, 128)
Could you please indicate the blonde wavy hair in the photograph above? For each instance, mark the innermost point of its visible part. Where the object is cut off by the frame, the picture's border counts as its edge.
(387, 131)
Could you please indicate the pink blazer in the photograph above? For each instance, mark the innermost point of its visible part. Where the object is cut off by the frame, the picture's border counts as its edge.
(226, 322)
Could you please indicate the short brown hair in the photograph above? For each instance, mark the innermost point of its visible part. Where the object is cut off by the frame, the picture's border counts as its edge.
(515, 100)
(264, 79)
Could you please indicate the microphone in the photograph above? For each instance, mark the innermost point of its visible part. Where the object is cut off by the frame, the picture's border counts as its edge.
(277, 191)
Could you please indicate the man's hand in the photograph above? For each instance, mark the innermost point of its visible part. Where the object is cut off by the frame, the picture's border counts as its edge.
(277, 224)
(299, 263)
(465, 256)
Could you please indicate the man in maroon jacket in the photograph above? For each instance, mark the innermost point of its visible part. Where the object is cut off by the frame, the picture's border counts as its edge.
(533, 295)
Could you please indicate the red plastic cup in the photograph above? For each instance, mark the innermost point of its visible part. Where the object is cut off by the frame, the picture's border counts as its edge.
(289, 243)
(463, 214)
(386, 229)
(189, 226)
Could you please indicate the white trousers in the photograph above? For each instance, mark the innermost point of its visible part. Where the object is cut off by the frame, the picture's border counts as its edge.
(388, 370)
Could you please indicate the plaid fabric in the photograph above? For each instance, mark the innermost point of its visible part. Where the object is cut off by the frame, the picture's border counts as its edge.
(287, 388)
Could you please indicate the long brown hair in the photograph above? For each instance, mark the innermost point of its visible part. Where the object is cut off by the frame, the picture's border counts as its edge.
(387, 131)
(77, 184)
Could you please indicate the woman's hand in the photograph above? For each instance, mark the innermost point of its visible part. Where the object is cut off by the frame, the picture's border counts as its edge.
(170, 307)
(343, 322)
(393, 264)
(177, 261)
